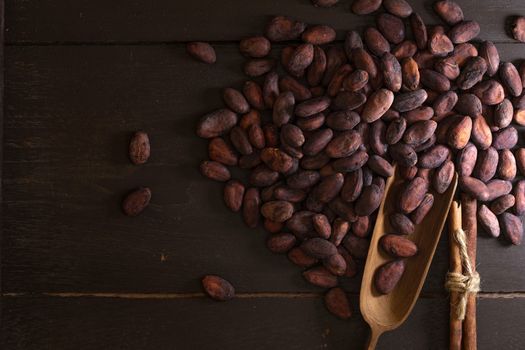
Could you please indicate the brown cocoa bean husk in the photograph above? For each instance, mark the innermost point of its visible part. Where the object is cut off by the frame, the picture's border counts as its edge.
(201, 51)
(511, 78)
(365, 7)
(488, 221)
(216, 123)
(399, 8)
(408, 101)
(439, 43)
(444, 104)
(300, 258)
(388, 275)
(403, 154)
(448, 67)
(466, 160)
(356, 246)
(319, 35)
(395, 130)
(378, 103)
(281, 243)
(474, 187)
(391, 69)
(507, 165)
(392, 27)
(463, 52)
(401, 223)
(449, 11)
(490, 54)
(459, 132)
(255, 46)
(404, 50)
(337, 303)
(490, 92)
(375, 41)
(239, 139)
(498, 188)
(464, 31)
(503, 114)
(139, 148)
(505, 138)
(512, 228)
(419, 30)
(518, 28)
(233, 195)
(282, 28)
(423, 209)
(218, 288)
(352, 186)
(502, 204)
(412, 195)
(398, 246)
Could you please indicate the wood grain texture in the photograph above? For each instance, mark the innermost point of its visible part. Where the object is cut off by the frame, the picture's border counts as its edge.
(167, 21)
(70, 112)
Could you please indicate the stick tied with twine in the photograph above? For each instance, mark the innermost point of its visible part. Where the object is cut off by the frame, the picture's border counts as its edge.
(464, 284)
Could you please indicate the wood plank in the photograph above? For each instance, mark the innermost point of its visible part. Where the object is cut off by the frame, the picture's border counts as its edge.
(70, 112)
(168, 21)
(300, 323)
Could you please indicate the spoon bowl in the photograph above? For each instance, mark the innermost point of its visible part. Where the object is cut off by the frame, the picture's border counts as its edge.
(385, 312)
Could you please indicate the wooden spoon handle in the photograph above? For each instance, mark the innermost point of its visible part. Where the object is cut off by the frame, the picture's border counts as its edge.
(372, 339)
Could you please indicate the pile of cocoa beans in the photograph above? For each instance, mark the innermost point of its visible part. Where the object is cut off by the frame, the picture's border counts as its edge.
(319, 129)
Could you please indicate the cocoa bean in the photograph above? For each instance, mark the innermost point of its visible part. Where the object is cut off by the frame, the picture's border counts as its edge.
(444, 104)
(356, 80)
(348, 100)
(256, 136)
(410, 73)
(351, 266)
(319, 248)
(256, 67)
(217, 288)
(392, 27)
(299, 91)
(380, 166)
(215, 171)
(315, 162)
(317, 141)
(364, 61)
(490, 54)
(419, 132)
(343, 209)
(403, 154)
(342, 120)
(319, 35)
(312, 106)
(339, 76)
(519, 154)
(271, 135)
(276, 159)
(505, 138)
(344, 144)
(250, 207)
(469, 104)
(136, 201)
(353, 185)
(511, 78)
(490, 92)
(335, 58)
(300, 258)
(250, 161)
(503, 114)
(255, 47)
(236, 101)
(404, 50)
(352, 41)
(518, 28)
(321, 277)
(216, 123)
(439, 43)
(377, 140)
(391, 69)
(408, 101)
(443, 177)
(292, 135)
(361, 228)
(448, 67)
(474, 187)
(282, 28)
(278, 211)
(233, 195)
(488, 221)
(139, 148)
(365, 7)
(464, 31)
(354, 162)
(284, 193)
(311, 123)
(519, 196)
(375, 41)
(395, 131)
(328, 188)
(459, 132)
(300, 59)
(303, 179)
(322, 225)
(487, 164)
(337, 303)
(369, 200)
(472, 73)
(281, 243)
(339, 230)
(466, 160)
(412, 195)
(398, 246)
(407, 173)
(419, 30)
(449, 11)
(317, 68)
(399, 8)
(498, 188)
(388, 275)
(336, 264)
(263, 176)
(201, 51)
(239, 139)
(220, 151)
(423, 209)
(502, 204)
(356, 246)
(512, 228)
(463, 51)
(507, 165)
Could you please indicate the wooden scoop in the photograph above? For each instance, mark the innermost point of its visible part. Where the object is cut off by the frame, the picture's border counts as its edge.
(387, 312)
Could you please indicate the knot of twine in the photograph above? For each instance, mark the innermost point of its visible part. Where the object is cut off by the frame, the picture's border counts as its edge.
(462, 283)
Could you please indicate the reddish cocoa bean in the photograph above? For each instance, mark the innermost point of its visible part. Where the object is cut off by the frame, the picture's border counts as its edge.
(217, 288)
(449, 11)
(388, 275)
(488, 221)
(401, 224)
(321, 277)
(250, 207)
(300, 258)
(502, 204)
(518, 28)
(512, 228)
(412, 195)
(474, 187)
(201, 51)
(423, 209)
(464, 31)
(336, 264)
(216, 123)
(398, 246)
(282, 28)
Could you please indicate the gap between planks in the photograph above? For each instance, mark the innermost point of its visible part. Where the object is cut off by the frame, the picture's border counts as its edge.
(258, 295)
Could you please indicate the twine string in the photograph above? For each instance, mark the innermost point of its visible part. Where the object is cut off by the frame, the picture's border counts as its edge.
(464, 284)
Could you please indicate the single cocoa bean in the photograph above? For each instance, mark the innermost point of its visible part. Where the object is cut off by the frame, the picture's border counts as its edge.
(408, 101)
(423, 209)
(403, 154)
(217, 288)
(512, 228)
(410, 74)
(201, 51)
(299, 91)
(336, 264)
(392, 27)
(340, 228)
(365, 7)
(342, 120)
(490, 92)
(449, 11)
(353, 186)
(412, 195)
(256, 67)
(519, 196)
(263, 176)
(216, 123)
(369, 200)
(354, 162)
(312, 106)
(419, 132)
(474, 187)
(282, 28)
(392, 74)
(337, 303)
(356, 246)
(488, 221)
(507, 165)
(250, 207)
(300, 258)
(419, 30)
(321, 277)
(136, 201)
(278, 211)
(398, 246)
(464, 31)
(518, 28)
(322, 225)
(505, 138)
(215, 171)
(502, 204)
(319, 35)
(317, 141)
(233, 195)
(388, 275)
(459, 132)
(498, 188)
(395, 130)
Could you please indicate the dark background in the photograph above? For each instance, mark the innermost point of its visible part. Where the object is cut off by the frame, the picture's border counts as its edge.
(80, 77)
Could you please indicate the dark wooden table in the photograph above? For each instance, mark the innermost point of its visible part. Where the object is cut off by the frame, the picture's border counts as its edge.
(80, 77)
